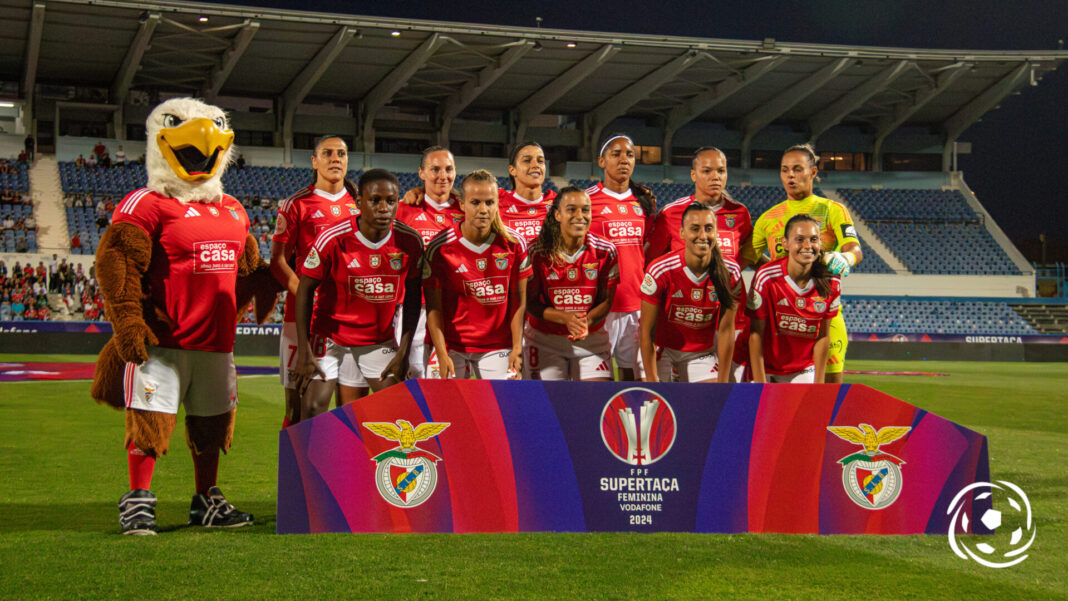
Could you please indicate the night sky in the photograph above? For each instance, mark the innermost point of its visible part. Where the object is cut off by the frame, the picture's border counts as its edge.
(1017, 167)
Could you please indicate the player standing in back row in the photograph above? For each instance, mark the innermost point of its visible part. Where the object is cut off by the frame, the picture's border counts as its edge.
(623, 213)
(838, 236)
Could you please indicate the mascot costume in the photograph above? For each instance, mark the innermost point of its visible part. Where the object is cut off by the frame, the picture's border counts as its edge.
(176, 269)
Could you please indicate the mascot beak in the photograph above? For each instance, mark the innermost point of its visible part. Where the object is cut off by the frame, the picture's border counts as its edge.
(193, 148)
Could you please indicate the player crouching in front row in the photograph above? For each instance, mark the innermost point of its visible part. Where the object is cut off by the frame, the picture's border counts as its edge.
(791, 304)
(362, 267)
(696, 291)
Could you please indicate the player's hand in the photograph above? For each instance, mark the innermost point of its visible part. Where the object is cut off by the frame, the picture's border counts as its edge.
(577, 327)
(837, 263)
(445, 367)
(305, 371)
(395, 371)
(515, 363)
(414, 196)
(131, 342)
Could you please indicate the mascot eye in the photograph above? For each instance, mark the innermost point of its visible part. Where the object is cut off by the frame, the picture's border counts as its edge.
(170, 120)
(219, 122)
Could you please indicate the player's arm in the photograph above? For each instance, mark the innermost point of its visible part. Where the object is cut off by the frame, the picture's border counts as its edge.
(280, 268)
(659, 240)
(848, 255)
(435, 327)
(414, 197)
(306, 367)
(756, 350)
(605, 297)
(646, 335)
(821, 349)
(515, 358)
(725, 343)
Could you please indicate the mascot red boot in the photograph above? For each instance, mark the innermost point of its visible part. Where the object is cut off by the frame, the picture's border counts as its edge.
(175, 267)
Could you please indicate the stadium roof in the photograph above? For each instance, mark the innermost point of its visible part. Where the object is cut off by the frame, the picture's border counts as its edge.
(453, 69)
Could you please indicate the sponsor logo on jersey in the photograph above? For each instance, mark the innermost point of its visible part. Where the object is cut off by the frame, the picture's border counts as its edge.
(512, 209)
(799, 303)
(461, 269)
(552, 276)
(871, 479)
(312, 260)
(318, 215)
(648, 285)
(335, 210)
(481, 264)
(782, 303)
(214, 212)
(848, 231)
(191, 212)
(501, 260)
(678, 294)
(374, 288)
(406, 475)
(219, 256)
(421, 217)
(233, 213)
(638, 427)
(354, 263)
(491, 290)
(280, 225)
(606, 211)
(396, 261)
(375, 260)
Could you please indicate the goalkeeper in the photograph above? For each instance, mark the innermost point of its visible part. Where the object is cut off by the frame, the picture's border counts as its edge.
(841, 248)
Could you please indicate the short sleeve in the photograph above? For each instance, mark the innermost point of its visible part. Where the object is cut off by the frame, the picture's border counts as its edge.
(756, 306)
(834, 300)
(760, 239)
(140, 208)
(611, 271)
(652, 289)
(313, 263)
(285, 225)
(523, 260)
(844, 230)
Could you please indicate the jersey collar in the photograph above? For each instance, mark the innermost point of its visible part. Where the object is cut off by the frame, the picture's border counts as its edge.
(616, 195)
(793, 284)
(438, 206)
(373, 245)
(694, 278)
(479, 249)
(329, 196)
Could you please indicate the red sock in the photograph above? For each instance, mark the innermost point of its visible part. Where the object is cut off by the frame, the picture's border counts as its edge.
(205, 470)
(141, 467)
(285, 422)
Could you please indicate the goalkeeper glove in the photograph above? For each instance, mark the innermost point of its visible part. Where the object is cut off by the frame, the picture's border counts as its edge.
(840, 264)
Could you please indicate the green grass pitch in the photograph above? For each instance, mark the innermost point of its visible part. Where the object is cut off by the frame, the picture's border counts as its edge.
(63, 470)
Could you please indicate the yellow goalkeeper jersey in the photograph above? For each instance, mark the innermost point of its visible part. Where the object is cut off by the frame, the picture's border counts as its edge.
(836, 226)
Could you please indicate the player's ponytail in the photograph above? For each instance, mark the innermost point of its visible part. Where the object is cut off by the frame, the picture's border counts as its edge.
(550, 242)
(717, 268)
(497, 224)
(819, 274)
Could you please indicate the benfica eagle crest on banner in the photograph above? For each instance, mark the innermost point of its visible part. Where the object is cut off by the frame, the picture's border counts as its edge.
(871, 479)
(406, 475)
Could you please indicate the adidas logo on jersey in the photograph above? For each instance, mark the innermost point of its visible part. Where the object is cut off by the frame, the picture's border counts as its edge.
(783, 303)
(461, 269)
(421, 217)
(606, 211)
(354, 263)
(191, 212)
(678, 294)
(552, 276)
(318, 215)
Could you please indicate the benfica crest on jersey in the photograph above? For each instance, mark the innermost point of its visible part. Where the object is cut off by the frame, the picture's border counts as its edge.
(870, 478)
(500, 260)
(406, 475)
(637, 209)
(396, 261)
(819, 306)
(590, 270)
(233, 213)
(729, 220)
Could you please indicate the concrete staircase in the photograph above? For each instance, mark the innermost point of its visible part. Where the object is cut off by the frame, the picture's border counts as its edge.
(1047, 319)
(46, 191)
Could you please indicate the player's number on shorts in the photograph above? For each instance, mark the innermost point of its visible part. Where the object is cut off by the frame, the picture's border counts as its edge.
(532, 356)
(319, 347)
(292, 355)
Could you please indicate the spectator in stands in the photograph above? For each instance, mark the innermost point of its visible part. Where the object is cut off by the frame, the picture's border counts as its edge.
(120, 157)
(30, 147)
(17, 309)
(80, 162)
(42, 273)
(5, 310)
(44, 313)
(76, 241)
(91, 161)
(23, 159)
(240, 163)
(9, 222)
(30, 314)
(20, 245)
(53, 265)
(99, 149)
(27, 272)
(3, 270)
(31, 223)
(105, 160)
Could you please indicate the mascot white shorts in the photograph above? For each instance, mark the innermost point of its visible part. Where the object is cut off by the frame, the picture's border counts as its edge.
(205, 382)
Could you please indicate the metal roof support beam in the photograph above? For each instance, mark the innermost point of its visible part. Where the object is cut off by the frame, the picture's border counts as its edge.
(124, 78)
(29, 71)
(303, 83)
(471, 90)
(889, 123)
(979, 106)
(839, 109)
(541, 100)
(383, 92)
(229, 59)
(620, 103)
(758, 119)
(702, 103)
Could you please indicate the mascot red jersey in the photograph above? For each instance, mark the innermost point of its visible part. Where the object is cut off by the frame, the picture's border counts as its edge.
(176, 268)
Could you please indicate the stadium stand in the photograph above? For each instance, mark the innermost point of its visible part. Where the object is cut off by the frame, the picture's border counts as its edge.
(1046, 319)
(889, 315)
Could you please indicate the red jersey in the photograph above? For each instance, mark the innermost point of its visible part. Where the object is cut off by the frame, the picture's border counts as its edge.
(478, 288)
(733, 227)
(791, 315)
(619, 218)
(429, 217)
(301, 218)
(522, 215)
(361, 282)
(689, 306)
(573, 284)
(195, 248)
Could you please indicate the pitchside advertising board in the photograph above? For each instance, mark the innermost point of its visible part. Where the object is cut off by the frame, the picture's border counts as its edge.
(480, 456)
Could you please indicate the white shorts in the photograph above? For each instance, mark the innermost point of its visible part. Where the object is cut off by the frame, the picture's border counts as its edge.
(554, 357)
(287, 356)
(416, 359)
(205, 382)
(354, 365)
(623, 336)
(491, 365)
(697, 366)
(805, 376)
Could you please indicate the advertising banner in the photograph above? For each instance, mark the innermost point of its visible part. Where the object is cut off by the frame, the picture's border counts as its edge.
(520, 456)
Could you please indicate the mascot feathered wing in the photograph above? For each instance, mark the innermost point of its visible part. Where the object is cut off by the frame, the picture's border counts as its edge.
(189, 147)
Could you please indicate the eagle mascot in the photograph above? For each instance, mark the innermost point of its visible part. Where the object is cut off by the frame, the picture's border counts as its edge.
(176, 268)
